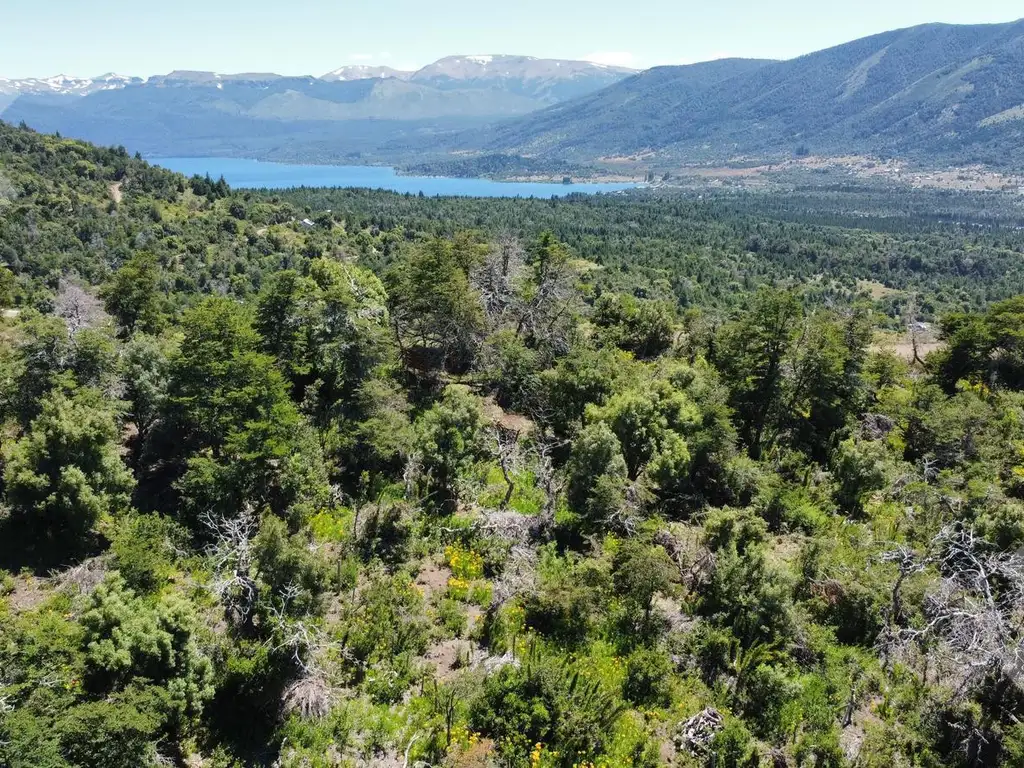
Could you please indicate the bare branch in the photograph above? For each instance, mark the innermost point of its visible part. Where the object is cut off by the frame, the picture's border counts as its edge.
(232, 559)
(78, 308)
(976, 612)
(507, 441)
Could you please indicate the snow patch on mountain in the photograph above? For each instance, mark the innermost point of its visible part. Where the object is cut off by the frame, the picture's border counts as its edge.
(365, 72)
(66, 85)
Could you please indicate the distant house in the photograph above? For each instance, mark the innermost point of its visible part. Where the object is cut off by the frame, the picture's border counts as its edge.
(308, 224)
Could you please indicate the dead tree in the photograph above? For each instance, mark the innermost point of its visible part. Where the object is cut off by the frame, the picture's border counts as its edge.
(298, 637)
(507, 442)
(8, 191)
(497, 278)
(310, 694)
(232, 557)
(77, 307)
(549, 482)
(974, 617)
(544, 311)
(908, 563)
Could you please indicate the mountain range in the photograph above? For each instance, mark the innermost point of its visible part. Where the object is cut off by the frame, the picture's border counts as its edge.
(936, 94)
(61, 85)
(348, 112)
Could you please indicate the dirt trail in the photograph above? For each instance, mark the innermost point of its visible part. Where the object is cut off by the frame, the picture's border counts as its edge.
(115, 192)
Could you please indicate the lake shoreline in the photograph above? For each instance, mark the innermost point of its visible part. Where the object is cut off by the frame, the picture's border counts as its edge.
(261, 174)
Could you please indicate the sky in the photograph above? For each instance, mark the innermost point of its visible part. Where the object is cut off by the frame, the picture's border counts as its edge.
(310, 37)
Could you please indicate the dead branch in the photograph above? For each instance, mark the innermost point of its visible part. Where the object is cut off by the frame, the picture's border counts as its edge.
(507, 441)
(232, 560)
(975, 614)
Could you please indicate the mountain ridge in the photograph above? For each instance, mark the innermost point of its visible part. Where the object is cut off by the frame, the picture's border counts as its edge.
(343, 115)
(473, 67)
(935, 94)
(924, 92)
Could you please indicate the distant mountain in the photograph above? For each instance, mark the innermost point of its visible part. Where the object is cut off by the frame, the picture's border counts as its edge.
(935, 92)
(365, 72)
(59, 87)
(289, 119)
(348, 113)
(184, 77)
(66, 86)
(546, 80)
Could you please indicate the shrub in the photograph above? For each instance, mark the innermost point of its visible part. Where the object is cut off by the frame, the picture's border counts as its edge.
(143, 549)
(648, 678)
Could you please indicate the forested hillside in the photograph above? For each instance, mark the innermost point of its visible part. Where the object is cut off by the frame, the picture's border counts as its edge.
(935, 94)
(350, 479)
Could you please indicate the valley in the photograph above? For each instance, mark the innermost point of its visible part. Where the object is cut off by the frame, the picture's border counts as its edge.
(916, 101)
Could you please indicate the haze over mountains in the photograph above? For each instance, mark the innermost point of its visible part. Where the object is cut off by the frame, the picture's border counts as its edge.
(346, 112)
(934, 94)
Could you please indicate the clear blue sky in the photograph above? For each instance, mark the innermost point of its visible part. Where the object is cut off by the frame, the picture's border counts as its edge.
(144, 37)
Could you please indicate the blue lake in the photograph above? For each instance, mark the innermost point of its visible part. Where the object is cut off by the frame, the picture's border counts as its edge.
(253, 174)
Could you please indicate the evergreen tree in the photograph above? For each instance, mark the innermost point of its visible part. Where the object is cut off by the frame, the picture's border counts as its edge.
(65, 475)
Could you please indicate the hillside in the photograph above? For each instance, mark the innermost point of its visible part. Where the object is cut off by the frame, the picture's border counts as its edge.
(413, 483)
(935, 93)
(344, 114)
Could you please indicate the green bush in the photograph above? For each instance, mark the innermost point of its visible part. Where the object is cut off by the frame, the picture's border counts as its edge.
(451, 617)
(733, 746)
(143, 547)
(545, 702)
(648, 678)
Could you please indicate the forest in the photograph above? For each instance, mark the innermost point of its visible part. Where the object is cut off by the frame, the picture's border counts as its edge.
(343, 478)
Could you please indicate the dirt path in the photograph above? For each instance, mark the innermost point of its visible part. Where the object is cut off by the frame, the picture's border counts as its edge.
(115, 192)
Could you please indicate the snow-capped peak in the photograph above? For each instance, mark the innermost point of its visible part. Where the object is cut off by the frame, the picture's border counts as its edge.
(365, 72)
(66, 85)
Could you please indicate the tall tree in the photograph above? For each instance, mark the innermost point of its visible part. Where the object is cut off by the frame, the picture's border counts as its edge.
(751, 352)
(435, 311)
(449, 439)
(230, 434)
(133, 295)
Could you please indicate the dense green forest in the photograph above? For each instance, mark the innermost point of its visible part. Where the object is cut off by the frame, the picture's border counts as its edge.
(944, 250)
(329, 478)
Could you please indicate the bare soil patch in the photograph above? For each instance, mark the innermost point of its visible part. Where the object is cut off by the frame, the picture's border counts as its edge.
(444, 657)
(432, 579)
(29, 592)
